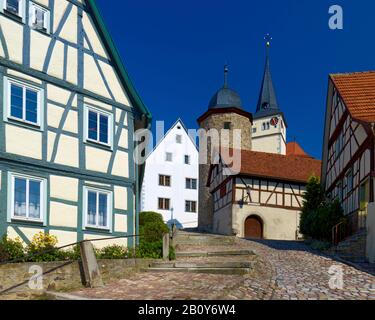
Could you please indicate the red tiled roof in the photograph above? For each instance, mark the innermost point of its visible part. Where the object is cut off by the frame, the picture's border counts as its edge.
(358, 92)
(294, 149)
(275, 166)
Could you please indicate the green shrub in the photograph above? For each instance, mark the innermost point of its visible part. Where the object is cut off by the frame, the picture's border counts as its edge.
(11, 249)
(113, 252)
(151, 227)
(43, 242)
(151, 230)
(319, 215)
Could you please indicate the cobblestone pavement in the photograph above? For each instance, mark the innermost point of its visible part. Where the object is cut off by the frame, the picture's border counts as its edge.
(284, 271)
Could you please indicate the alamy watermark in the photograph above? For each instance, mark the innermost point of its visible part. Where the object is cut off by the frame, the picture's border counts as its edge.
(336, 20)
(212, 143)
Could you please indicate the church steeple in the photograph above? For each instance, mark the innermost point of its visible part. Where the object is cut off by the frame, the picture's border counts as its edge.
(267, 103)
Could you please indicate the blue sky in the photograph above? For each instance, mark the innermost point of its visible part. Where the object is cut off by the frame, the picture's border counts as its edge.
(174, 52)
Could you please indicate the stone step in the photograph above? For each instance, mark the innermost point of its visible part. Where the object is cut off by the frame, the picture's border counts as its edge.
(203, 241)
(226, 271)
(201, 265)
(215, 254)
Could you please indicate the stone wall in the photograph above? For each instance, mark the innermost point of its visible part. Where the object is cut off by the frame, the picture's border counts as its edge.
(63, 275)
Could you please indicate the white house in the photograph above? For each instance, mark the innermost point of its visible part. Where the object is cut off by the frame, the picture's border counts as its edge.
(170, 184)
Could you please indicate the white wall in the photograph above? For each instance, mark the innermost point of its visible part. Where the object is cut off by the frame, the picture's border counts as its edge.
(178, 170)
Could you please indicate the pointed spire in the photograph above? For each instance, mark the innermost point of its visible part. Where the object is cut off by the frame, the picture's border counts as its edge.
(267, 103)
(226, 71)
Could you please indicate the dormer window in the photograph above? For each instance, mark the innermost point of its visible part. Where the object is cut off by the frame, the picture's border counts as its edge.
(39, 18)
(14, 7)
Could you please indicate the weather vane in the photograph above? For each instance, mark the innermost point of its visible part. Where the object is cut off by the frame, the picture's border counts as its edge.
(268, 39)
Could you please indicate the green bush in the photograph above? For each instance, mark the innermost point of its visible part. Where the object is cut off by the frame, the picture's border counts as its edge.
(114, 252)
(11, 249)
(319, 215)
(41, 243)
(151, 227)
(151, 230)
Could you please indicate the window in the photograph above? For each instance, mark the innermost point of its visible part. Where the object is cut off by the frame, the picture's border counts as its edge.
(339, 145)
(339, 191)
(191, 206)
(254, 130)
(187, 159)
(227, 125)
(99, 126)
(27, 199)
(164, 204)
(164, 181)
(349, 181)
(24, 102)
(191, 184)
(98, 209)
(39, 18)
(223, 191)
(14, 7)
(168, 157)
(179, 139)
(266, 126)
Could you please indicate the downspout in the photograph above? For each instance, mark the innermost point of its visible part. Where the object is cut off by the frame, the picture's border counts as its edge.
(137, 191)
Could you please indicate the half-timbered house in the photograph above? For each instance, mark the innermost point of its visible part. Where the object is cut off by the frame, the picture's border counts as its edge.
(68, 112)
(348, 153)
(264, 199)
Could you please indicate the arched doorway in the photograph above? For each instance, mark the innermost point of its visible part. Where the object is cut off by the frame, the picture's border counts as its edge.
(254, 227)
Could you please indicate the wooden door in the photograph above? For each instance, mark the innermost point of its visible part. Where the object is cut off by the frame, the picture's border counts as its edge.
(254, 228)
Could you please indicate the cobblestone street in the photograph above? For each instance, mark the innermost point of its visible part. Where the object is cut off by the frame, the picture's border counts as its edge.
(283, 271)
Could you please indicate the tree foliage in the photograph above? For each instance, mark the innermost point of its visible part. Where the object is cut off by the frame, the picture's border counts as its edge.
(319, 214)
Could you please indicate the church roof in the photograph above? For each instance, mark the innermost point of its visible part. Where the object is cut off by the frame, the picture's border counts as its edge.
(267, 103)
(294, 149)
(225, 97)
(275, 166)
(358, 93)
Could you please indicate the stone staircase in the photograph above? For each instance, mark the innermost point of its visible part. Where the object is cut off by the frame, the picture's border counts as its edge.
(353, 249)
(205, 253)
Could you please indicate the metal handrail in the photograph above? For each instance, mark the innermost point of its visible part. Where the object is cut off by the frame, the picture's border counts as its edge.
(26, 258)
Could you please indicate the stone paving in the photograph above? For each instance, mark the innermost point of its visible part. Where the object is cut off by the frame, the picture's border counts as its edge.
(284, 271)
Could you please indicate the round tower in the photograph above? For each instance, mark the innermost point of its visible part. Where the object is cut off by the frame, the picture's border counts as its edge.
(224, 112)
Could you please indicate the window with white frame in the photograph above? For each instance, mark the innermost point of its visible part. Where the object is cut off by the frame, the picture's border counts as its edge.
(14, 7)
(24, 102)
(98, 208)
(27, 198)
(187, 159)
(39, 18)
(178, 138)
(169, 157)
(191, 206)
(191, 184)
(99, 127)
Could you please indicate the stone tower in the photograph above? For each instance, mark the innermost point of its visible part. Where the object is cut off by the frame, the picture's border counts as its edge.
(269, 127)
(224, 112)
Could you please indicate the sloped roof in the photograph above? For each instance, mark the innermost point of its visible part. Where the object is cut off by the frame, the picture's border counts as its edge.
(358, 93)
(117, 61)
(267, 103)
(274, 166)
(294, 149)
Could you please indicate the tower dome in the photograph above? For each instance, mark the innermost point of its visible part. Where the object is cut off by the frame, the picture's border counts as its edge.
(225, 97)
